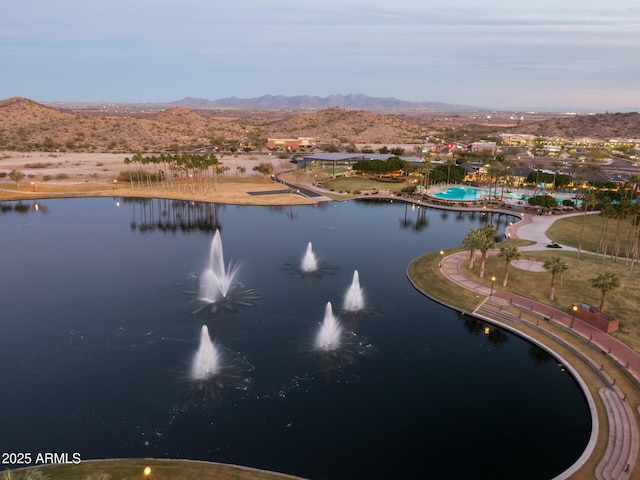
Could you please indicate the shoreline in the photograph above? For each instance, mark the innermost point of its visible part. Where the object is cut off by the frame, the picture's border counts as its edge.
(238, 192)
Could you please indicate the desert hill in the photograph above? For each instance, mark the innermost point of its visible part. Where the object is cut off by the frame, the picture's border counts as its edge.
(27, 125)
(339, 126)
(603, 126)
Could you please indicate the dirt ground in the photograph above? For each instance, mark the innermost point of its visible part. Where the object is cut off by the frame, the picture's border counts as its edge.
(46, 173)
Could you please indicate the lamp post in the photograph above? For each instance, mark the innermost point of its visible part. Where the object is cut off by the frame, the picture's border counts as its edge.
(574, 309)
(441, 254)
(147, 472)
(493, 279)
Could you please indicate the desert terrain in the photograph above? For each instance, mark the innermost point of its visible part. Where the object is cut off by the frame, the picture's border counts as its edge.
(83, 174)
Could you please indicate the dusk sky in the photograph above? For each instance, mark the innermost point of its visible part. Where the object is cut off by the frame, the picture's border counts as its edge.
(502, 54)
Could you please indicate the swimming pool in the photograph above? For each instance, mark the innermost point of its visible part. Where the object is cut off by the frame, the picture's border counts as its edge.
(462, 193)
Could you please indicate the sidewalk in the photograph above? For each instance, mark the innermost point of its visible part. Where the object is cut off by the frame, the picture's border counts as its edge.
(500, 307)
(453, 269)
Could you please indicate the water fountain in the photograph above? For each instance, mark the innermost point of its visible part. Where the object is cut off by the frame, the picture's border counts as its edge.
(207, 360)
(330, 334)
(309, 261)
(216, 280)
(354, 297)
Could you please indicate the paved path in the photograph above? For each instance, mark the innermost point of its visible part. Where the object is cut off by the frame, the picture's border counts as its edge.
(501, 307)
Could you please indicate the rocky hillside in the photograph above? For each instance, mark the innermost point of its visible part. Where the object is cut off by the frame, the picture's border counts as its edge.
(603, 126)
(338, 126)
(26, 125)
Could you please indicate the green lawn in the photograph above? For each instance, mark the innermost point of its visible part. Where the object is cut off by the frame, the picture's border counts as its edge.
(573, 287)
(567, 232)
(362, 184)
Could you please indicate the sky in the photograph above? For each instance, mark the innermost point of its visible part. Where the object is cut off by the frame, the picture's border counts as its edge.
(496, 54)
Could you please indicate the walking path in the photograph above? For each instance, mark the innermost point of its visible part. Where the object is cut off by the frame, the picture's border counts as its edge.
(507, 309)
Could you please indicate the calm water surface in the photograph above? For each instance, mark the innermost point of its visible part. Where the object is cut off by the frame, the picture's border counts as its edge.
(97, 330)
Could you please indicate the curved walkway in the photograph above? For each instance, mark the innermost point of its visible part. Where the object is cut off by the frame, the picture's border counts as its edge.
(507, 309)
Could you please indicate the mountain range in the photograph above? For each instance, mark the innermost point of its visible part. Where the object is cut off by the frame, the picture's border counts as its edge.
(306, 102)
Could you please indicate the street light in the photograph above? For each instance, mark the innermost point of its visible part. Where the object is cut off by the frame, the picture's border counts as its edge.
(493, 279)
(574, 309)
(441, 254)
(147, 472)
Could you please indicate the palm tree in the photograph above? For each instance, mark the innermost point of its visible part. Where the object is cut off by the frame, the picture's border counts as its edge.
(471, 242)
(427, 166)
(539, 166)
(556, 265)
(588, 200)
(484, 245)
(607, 212)
(605, 282)
(504, 173)
(509, 254)
(594, 170)
(490, 231)
(556, 167)
(449, 162)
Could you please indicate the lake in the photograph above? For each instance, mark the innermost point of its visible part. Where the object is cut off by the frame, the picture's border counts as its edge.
(100, 320)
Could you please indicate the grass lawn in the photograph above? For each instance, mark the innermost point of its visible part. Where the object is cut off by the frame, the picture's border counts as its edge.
(424, 273)
(567, 232)
(575, 287)
(362, 184)
(129, 469)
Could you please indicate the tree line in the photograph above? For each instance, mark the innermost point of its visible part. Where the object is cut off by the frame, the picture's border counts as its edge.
(182, 171)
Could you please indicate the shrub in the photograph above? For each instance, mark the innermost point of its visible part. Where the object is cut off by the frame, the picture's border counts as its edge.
(61, 176)
(37, 165)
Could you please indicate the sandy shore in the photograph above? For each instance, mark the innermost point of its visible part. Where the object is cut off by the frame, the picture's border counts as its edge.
(74, 174)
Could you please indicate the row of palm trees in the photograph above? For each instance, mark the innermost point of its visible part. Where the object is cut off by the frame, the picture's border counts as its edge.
(483, 240)
(480, 240)
(180, 170)
(604, 282)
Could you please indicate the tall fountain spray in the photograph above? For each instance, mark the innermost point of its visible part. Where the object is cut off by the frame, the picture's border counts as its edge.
(354, 297)
(206, 361)
(309, 260)
(216, 280)
(330, 333)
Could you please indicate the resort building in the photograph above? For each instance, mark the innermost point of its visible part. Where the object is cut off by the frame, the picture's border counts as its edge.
(518, 139)
(483, 146)
(292, 144)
